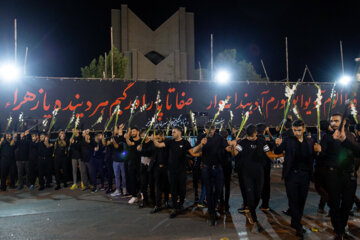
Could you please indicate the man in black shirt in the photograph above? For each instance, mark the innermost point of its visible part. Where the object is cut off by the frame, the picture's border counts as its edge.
(227, 169)
(262, 129)
(108, 161)
(321, 170)
(97, 161)
(340, 180)
(159, 166)
(132, 162)
(146, 151)
(33, 159)
(178, 149)
(22, 161)
(44, 151)
(85, 167)
(7, 147)
(75, 154)
(297, 171)
(251, 152)
(213, 154)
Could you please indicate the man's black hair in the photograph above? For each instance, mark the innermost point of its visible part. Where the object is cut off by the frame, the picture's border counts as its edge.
(298, 123)
(336, 114)
(143, 130)
(260, 128)
(179, 128)
(250, 129)
(134, 127)
(208, 125)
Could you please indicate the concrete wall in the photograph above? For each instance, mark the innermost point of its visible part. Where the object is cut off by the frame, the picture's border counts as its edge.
(174, 40)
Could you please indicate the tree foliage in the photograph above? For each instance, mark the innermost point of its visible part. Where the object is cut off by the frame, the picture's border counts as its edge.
(96, 69)
(240, 70)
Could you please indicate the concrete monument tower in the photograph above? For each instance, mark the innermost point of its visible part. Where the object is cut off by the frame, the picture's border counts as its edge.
(166, 54)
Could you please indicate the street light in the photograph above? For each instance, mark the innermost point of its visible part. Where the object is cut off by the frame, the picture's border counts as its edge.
(9, 72)
(222, 76)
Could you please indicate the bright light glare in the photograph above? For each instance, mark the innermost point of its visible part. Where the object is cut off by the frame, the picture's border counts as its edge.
(222, 76)
(345, 80)
(9, 72)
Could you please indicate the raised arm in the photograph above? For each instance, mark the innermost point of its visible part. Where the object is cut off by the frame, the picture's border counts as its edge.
(158, 144)
(279, 146)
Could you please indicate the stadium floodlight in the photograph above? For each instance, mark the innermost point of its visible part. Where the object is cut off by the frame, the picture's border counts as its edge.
(222, 76)
(345, 80)
(9, 72)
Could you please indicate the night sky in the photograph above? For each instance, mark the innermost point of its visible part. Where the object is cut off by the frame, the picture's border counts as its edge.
(62, 36)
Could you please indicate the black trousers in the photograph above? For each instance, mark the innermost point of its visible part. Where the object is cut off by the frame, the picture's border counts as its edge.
(242, 187)
(23, 170)
(45, 171)
(33, 170)
(320, 181)
(297, 188)
(253, 184)
(134, 180)
(145, 182)
(265, 194)
(196, 172)
(60, 163)
(109, 172)
(213, 180)
(161, 183)
(177, 180)
(341, 188)
(225, 195)
(8, 167)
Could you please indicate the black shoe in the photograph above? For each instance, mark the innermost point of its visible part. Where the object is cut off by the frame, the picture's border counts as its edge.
(12, 187)
(41, 188)
(57, 187)
(143, 204)
(65, 185)
(94, 190)
(196, 200)
(3, 189)
(20, 187)
(339, 236)
(180, 210)
(109, 190)
(351, 213)
(212, 220)
(287, 212)
(346, 236)
(48, 185)
(155, 210)
(173, 213)
(297, 228)
(256, 228)
(300, 234)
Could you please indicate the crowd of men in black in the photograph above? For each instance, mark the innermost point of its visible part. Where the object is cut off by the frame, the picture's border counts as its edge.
(154, 169)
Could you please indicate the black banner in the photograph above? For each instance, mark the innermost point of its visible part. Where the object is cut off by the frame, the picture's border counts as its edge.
(37, 98)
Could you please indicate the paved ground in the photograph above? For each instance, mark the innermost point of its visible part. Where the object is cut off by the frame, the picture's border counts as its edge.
(67, 214)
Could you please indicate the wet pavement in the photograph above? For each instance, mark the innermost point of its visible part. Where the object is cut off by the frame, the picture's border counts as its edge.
(67, 214)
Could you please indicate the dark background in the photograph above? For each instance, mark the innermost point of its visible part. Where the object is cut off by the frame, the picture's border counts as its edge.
(64, 35)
